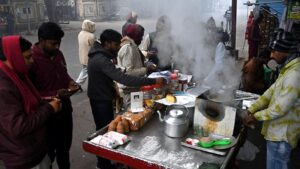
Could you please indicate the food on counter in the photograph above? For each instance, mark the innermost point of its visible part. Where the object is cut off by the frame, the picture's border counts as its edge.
(111, 139)
(192, 141)
(171, 98)
(118, 137)
(137, 120)
(120, 127)
(112, 125)
(130, 121)
(118, 118)
(149, 103)
(126, 125)
(105, 141)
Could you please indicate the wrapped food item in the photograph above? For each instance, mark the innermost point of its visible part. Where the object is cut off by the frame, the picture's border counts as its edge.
(105, 141)
(137, 120)
(118, 137)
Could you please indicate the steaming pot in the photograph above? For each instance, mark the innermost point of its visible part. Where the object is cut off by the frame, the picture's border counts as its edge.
(176, 120)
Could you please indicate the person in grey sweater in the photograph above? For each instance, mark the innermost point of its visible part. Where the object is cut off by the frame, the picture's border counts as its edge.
(102, 73)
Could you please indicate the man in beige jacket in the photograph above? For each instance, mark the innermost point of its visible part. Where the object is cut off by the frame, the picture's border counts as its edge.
(86, 39)
(131, 59)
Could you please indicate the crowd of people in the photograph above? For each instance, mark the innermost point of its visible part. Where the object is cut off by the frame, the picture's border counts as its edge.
(35, 87)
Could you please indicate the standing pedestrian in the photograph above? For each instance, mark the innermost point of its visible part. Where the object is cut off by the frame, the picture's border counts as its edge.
(50, 76)
(23, 114)
(86, 39)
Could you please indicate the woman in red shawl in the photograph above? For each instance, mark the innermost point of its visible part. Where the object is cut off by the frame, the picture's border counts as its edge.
(23, 115)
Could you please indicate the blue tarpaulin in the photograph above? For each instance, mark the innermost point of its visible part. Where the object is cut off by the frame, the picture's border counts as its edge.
(276, 6)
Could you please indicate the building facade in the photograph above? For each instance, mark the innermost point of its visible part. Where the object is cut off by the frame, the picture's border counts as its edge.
(95, 9)
(20, 15)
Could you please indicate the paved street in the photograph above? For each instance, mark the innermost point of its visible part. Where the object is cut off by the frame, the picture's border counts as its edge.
(82, 116)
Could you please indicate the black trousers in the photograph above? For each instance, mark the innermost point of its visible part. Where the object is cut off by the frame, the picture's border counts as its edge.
(103, 114)
(60, 139)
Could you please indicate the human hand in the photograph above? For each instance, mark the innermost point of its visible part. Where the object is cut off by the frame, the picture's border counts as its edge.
(73, 86)
(55, 104)
(151, 67)
(64, 93)
(249, 120)
(151, 53)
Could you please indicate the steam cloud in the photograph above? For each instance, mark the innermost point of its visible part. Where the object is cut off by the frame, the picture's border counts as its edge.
(188, 19)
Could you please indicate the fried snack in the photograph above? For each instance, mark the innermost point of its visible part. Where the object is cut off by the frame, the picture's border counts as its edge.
(126, 125)
(170, 98)
(112, 126)
(120, 127)
(118, 118)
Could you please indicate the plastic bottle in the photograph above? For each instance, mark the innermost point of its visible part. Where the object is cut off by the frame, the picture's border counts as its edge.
(174, 85)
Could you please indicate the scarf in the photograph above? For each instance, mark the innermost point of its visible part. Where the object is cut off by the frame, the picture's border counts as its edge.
(18, 73)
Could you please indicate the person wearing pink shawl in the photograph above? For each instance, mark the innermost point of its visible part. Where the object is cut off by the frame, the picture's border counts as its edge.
(23, 114)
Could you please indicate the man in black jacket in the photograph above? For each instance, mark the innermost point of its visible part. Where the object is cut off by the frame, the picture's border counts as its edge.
(102, 72)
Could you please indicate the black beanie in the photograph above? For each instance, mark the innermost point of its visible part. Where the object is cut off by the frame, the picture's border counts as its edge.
(283, 41)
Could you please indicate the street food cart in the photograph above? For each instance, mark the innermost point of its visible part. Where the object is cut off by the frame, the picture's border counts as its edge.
(151, 148)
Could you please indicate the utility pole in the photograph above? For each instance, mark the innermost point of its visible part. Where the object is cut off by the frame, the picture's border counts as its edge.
(28, 18)
(233, 26)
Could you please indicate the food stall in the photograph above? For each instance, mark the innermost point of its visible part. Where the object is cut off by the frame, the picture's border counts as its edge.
(150, 147)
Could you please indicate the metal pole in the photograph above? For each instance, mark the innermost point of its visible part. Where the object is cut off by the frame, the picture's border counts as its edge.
(28, 18)
(233, 26)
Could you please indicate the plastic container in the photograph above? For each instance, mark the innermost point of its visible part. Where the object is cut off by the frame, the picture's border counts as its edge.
(148, 96)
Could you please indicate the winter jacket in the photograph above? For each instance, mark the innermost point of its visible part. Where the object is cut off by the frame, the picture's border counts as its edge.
(102, 72)
(86, 39)
(23, 139)
(129, 57)
(50, 75)
(279, 106)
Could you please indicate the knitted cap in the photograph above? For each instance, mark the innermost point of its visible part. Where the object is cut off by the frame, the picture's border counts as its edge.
(283, 41)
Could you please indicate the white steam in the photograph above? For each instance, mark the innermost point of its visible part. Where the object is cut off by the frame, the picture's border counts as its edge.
(188, 18)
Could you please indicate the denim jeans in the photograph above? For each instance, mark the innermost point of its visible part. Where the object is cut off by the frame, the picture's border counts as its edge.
(83, 75)
(278, 154)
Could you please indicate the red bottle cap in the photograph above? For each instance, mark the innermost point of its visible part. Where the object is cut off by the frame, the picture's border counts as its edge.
(173, 76)
(147, 88)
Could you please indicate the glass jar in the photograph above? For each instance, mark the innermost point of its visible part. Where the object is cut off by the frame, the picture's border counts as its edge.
(158, 92)
(183, 81)
(147, 96)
